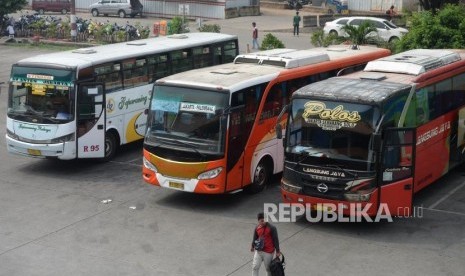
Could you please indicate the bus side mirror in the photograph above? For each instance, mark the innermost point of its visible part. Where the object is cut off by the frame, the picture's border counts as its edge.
(376, 141)
(279, 131)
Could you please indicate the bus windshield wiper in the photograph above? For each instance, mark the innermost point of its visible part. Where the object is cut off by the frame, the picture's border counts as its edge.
(178, 142)
(303, 156)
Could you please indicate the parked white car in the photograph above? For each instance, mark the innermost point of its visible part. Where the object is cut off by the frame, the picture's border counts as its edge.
(387, 30)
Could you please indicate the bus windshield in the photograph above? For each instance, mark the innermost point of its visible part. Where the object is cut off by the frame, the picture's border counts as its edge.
(41, 95)
(188, 120)
(339, 132)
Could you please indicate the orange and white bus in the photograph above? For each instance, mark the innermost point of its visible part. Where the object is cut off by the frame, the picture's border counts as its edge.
(212, 130)
(376, 137)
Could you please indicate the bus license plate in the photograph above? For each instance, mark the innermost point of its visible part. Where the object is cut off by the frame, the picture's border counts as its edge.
(176, 185)
(322, 207)
(34, 152)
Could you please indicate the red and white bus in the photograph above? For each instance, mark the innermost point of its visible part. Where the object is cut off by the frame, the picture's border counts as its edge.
(378, 136)
(212, 130)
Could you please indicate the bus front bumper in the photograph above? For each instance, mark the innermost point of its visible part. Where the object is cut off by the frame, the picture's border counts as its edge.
(345, 208)
(39, 150)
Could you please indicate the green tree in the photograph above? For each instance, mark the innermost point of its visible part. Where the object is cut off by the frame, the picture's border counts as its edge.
(443, 30)
(10, 6)
(319, 39)
(271, 42)
(358, 35)
(210, 28)
(434, 5)
(177, 26)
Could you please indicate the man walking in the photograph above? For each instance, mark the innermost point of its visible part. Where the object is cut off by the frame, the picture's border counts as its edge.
(254, 36)
(296, 22)
(11, 31)
(264, 244)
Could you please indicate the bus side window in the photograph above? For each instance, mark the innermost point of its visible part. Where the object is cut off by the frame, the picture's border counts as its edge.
(295, 84)
(157, 67)
(273, 103)
(229, 51)
(181, 60)
(217, 54)
(202, 57)
(110, 74)
(135, 73)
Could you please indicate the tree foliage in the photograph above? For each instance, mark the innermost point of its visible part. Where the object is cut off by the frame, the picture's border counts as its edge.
(177, 26)
(358, 35)
(434, 5)
(271, 42)
(10, 6)
(210, 28)
(443, 30)
(319, 39)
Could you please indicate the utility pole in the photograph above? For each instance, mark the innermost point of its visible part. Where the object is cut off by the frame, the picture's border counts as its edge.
(73, 21)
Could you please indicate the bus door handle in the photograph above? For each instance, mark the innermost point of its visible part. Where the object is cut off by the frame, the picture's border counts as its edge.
(407, 187)
(99, 126)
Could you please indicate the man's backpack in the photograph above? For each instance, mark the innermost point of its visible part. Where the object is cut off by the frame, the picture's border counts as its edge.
(388, 12)
(277, 266)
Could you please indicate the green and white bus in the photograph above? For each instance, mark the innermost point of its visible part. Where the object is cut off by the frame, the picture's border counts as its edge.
(85, 103)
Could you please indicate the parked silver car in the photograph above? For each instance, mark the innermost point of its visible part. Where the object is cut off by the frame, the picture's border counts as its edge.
(116, 7)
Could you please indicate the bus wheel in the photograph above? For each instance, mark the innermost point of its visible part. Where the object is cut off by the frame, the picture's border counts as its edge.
(110, 146)
(261, 178)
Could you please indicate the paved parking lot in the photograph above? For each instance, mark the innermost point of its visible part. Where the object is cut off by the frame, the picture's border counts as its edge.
(53, 222)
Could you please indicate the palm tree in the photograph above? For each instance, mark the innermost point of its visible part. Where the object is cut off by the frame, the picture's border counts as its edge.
(358, 34)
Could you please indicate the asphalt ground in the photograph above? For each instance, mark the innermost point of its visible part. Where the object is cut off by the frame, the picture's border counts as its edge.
(276, 22)
(53, 220)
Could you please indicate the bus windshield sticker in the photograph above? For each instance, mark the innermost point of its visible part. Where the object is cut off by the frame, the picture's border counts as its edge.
(200, 108)
(39, 77)
(330, 119)
(166, 105)
(38, 89)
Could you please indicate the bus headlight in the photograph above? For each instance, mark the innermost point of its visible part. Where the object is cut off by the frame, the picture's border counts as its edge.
(359, 196)
(290, 188)
(210, 174)
(12, 135)
(149, 165)
(62, 139)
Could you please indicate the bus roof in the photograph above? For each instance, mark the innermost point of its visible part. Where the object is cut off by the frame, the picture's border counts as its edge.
(85, 57)
(386, 76)
(349, 90)
(254, 68)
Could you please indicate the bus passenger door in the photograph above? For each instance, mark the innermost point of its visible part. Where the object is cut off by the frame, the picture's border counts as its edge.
(397, 171)
(235, 155)
(90, 113)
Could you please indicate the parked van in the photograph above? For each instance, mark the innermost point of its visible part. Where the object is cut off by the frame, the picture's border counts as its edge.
(41, 6)
(116, 7)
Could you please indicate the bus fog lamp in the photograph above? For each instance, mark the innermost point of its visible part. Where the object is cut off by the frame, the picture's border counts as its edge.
(210, 174)
(149, 165)
(290, 188)
(359, 196)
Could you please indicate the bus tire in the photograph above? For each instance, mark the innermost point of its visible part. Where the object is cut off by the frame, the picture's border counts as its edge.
(111, 146)
(261, 177)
